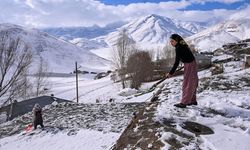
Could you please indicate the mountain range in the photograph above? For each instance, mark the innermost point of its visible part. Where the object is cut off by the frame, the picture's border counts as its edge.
(152, 29)
(155, 29)
(70, 33)
(62, 47)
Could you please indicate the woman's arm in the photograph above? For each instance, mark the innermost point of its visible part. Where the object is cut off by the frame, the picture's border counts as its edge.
(176, 63)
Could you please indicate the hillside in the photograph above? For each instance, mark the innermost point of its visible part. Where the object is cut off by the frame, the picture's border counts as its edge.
(59, 54)
(233, 29)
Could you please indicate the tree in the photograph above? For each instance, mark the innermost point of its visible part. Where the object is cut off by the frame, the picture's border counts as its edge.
(123, 48)
(15, 59)
(168, 54)
(41, 78)
(139, 67)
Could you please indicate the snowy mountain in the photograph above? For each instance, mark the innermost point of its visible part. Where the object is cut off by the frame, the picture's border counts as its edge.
(59, 54)
(236, 28)
(70, 33)
(194, 27)
(89, 44)
(156, 29)
(151, 29)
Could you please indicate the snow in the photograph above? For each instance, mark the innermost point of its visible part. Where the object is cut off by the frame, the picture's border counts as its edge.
(89, 89)
(105, 53)
(3, 117)
(230, 120)
(221, 57)
(88, 44)
(232, 66)
(84, 139)
(226, 138)
(127, 92)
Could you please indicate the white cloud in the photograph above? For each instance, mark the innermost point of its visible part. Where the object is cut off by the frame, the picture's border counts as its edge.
(39, 13)
(244, 13)
(204, 16)
(220, 1)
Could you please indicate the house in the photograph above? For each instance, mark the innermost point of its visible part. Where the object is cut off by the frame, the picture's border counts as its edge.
(203, 61)
(101, 75)
(234, 45)
(244, 41)
(247, 61)
(22, 107)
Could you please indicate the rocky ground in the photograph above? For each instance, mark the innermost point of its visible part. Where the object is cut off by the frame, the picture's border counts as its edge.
(110, 117)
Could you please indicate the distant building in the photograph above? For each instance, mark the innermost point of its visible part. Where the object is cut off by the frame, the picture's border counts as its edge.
(234, 45)
(244, 41)
(203, 61)
(101, 75)
(247, 61)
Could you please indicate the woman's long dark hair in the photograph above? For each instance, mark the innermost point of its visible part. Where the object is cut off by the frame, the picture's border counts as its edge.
(178, 39)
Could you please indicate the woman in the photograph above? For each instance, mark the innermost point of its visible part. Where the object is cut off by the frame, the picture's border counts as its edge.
(190, 81)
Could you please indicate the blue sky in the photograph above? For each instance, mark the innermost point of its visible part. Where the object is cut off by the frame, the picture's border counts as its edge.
(215, 5)
(230, 5)
(62, 13)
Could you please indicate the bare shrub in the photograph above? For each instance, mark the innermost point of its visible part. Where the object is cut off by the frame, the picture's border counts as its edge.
(139, 67)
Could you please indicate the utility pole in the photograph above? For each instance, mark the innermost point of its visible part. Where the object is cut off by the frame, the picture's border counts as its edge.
(76, 83)
(11, 110)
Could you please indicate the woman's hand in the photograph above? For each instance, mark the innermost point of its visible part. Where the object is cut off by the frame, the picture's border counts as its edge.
(168, 75)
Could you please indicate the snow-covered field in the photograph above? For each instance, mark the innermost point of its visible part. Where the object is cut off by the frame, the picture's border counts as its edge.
(90, 90)
(84, 139)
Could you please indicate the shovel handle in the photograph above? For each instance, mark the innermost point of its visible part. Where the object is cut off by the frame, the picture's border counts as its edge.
(165, 78)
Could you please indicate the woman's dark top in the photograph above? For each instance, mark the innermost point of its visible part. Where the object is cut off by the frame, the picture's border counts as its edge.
(183, 54)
